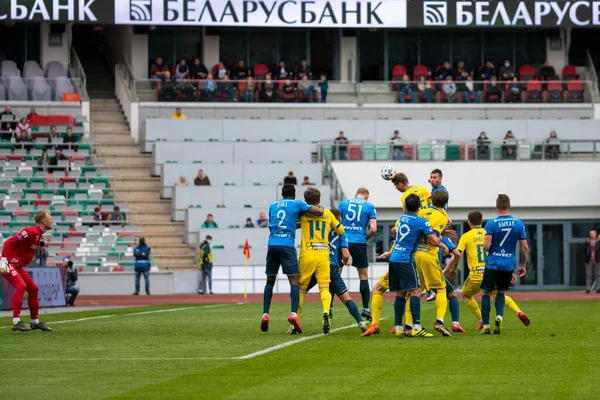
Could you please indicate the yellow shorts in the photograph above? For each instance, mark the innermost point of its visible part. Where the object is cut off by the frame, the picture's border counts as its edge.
(471, 286)
(430, 273)
(319, 266)
(384, 281)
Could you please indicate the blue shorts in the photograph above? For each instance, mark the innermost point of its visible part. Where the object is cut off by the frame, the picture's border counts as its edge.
(358, 251)
(403, 277)
(284, 256)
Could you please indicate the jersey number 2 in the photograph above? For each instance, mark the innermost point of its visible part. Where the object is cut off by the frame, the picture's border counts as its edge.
(281, 216)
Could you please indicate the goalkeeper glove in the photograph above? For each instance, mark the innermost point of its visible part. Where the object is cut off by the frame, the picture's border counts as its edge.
(4, 268)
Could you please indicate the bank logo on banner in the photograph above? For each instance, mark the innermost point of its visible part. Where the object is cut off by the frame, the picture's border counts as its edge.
(140, 10)
(435, 13)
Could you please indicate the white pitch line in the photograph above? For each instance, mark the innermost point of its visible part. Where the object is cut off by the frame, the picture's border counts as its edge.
(136, 313)
(246, 357)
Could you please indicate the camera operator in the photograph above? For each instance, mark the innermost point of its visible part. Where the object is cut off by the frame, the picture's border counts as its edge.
(41, 256)
(72, 276)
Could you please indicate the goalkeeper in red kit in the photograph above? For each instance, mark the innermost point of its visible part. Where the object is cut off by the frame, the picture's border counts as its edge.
(17, 253)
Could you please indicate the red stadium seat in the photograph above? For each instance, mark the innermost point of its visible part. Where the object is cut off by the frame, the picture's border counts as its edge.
(575, 91)
(117, 269)
(420, 70)
(470, 151)
(534, 91)
(215, 71)
(569, 72)
(354, 152)
(14, 157)
(42, 203)
(555, 92)
(398, 71)
(260, 71)
(409, 151)
(526, 72)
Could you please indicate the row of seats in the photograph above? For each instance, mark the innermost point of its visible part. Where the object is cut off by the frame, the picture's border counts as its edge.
(323, 130)
(33, 85)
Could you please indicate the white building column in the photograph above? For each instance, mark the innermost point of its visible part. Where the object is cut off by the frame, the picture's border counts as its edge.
(134, 47)
(55, 46)
(211, 53)
(348, 52)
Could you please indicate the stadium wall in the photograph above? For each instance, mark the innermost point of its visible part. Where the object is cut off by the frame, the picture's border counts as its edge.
(52, 52)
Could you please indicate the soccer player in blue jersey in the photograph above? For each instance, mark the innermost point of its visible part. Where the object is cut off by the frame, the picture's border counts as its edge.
(435, 179)
(404, 279)
(338, 251)
(359, 218)
(502, 234)
(281, 250)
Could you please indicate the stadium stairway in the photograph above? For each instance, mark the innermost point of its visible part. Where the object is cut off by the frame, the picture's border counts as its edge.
(135, 186)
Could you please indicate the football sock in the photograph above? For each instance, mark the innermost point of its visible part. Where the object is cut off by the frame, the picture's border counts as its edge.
(365, 293)
(332, 296)
(267, 298)
(376, 306)
(474, 307)
(16, 321)
(510, 304)
(415, 309)
(325, 299)
(454, 308)
(353, 310)
(441, 304)
(485, 309)
(301, 302)
(294, 297)
(500, 300)
(408, 313)
(35, 321)
(399, 307)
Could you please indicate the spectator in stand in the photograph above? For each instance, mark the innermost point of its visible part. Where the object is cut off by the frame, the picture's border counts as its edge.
(592, 261)
(210, 91)
(492, 89)
(7, 115)
(115, 217)
(450, 90)
(290, 179)
(40, 259)
(306, 181)
(514, 91)
(72, 276)
(507, 71)
(304, 70)
(509, 147)
(53, 134)
(240, 71)
(226, 88)
(201, 179)
(209, 223)
(460, 68)
(182, 182)
(24, 130)
(483, 146)
(407, 89)
(44, 161)
(268, 93)
(178, 114)
(222, 71)
(262, 221)
(323, 87)
(182, 71)
(425, 89)
(249, 89)
(547, 71)
(32, 113)
(289, 89)
(58, 155)
(444, 72)
(471, 89)
(341, 146)
(487, 71)
(70, 138)
(159, 70)
(306, 88)
(7, 131)
(397, 147)
(552, 151)
(249, 223)
(97, 215)
(198, 70)
(281, 71)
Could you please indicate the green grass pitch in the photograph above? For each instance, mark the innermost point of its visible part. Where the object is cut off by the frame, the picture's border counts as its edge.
(197, 352)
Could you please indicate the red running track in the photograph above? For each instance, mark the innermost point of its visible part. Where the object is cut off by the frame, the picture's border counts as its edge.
(142, 300)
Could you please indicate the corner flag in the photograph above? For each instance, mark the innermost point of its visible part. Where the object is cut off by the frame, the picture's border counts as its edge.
(247, 250)
(246, 256)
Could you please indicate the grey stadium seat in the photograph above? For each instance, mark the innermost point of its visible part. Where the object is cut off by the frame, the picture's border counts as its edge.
(40, 90)
(54, 69)
(17, 91)
(63, 85)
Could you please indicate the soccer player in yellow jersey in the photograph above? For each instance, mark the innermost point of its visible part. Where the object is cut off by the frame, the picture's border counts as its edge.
(314, 252)
(471, 244)
(402, 184)
(427, 259)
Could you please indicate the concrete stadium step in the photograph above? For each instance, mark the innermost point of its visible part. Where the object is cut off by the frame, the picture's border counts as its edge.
(106, 107)
(107, 116)
(115, 149)
(151, 206)
(173, 261)
(133, 183)
(151, 218)
(134, 195)
(165, 239)
(173, 250)
(101, 127)
(130, 172)
(113, 138)
(136, 161)
(151, 228)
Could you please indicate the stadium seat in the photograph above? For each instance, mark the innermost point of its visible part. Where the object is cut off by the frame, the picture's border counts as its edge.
(533, 93)
(526, 72)
(368, 152)
(569, 72)
(424, 152)
(420, 70)
(575, 91)
(555, 92)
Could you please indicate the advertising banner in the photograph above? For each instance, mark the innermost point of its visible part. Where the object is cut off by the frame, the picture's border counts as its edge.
(51, 284)
(369, 14)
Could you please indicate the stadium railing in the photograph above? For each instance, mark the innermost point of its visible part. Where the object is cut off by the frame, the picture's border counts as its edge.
(77, 71)
(368, 92)
(464, 150)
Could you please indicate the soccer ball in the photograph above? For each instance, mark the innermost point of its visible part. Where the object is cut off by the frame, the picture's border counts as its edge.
(388, 172)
